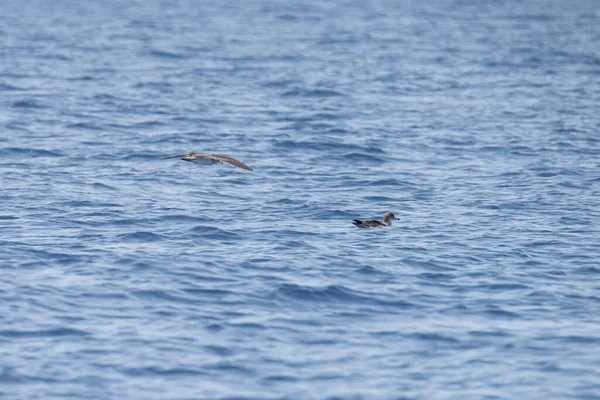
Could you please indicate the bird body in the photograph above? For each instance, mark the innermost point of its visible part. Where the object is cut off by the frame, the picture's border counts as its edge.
(387, 221)
(210, 159)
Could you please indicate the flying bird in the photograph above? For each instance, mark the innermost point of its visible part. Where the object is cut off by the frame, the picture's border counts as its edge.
(210, 159)
(387, 221)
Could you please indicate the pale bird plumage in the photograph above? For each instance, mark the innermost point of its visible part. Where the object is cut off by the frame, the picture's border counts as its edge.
(387, 221)
(209, 159)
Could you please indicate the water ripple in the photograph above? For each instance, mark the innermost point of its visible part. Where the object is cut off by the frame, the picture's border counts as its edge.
(125, 276)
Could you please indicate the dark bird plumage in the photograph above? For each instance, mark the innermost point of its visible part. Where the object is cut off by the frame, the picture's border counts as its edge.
(387, 221)
(209, 159)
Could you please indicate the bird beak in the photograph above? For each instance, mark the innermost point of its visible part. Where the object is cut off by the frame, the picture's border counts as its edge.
(396, 218)
(180, 155)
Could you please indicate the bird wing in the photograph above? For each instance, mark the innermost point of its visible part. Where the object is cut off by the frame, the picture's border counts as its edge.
(367, 224)
(228, 160)
(179, 156)
(373, 223)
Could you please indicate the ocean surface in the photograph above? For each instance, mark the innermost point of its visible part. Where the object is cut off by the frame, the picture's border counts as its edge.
(127, 276)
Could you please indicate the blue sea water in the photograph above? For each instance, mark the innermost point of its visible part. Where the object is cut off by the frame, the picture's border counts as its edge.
(126, 276)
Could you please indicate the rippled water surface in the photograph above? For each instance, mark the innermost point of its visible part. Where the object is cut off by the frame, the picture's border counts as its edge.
(127, 276)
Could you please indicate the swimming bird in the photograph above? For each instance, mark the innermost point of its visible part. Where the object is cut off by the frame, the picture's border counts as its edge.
(387, 221)
(210, 159)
